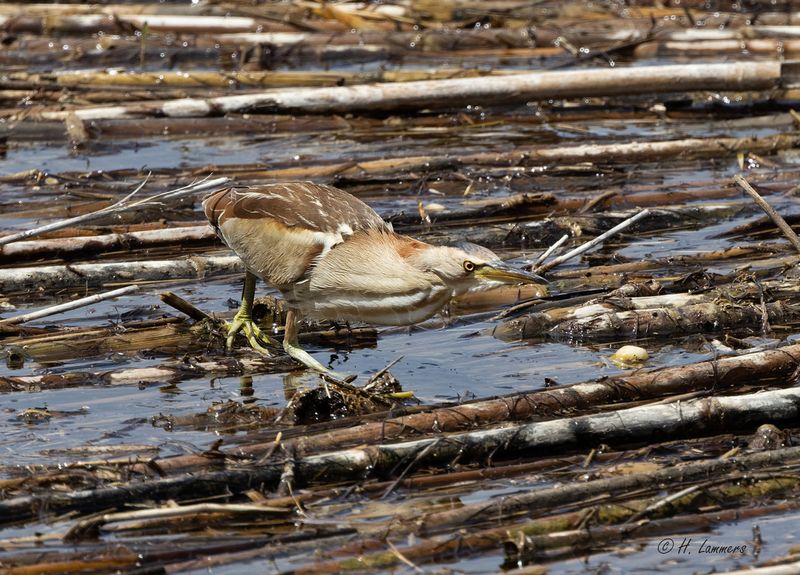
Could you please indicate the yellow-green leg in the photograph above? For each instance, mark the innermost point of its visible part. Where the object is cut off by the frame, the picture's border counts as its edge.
(243, 320)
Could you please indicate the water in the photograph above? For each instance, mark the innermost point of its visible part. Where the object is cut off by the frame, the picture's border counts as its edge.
(441, 362)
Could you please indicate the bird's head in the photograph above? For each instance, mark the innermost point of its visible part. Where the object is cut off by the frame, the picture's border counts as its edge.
(468, 267)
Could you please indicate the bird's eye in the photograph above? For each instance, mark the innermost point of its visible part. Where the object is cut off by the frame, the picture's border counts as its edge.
(469, 266)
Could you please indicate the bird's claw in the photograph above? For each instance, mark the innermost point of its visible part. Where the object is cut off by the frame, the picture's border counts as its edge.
(338, 378)
(244, 322)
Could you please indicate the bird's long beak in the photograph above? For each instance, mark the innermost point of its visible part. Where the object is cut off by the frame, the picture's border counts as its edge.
(503, 273)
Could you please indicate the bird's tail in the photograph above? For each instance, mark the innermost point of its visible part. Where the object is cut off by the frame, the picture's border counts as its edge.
(214, 205)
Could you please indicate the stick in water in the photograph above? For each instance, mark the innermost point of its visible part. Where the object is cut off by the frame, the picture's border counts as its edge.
(123, 205)
(775, 216)
(591, 243)
(184, 306)
(68, 306)
(550, 250)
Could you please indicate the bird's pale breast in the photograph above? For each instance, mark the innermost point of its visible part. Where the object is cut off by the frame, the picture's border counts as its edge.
(368, 278)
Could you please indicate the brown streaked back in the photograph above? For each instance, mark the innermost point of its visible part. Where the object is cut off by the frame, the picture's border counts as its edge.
(281, 230)
(313, 207)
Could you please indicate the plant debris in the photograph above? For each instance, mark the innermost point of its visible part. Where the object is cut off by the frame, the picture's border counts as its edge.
(626, 151)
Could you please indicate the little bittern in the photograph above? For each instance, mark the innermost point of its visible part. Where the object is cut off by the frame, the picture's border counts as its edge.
(332, 257)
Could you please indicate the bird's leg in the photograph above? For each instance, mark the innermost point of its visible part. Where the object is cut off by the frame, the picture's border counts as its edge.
(292, 346)
(243, 320)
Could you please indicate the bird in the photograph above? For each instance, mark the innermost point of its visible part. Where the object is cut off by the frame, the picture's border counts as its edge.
(333, 257)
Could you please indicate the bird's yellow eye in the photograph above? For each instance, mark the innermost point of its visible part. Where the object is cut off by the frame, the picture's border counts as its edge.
(469, 266)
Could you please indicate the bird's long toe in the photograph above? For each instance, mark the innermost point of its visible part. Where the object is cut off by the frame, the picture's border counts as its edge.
(244, 323)
(303, 357)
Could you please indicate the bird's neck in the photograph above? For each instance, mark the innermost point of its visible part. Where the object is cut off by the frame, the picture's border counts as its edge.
(440, 261)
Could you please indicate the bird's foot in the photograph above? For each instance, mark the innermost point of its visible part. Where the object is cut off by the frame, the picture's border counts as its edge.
(244, 322)
(301, 355)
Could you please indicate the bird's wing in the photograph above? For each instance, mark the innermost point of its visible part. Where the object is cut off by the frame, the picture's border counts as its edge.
(281, 230)
(313, 207)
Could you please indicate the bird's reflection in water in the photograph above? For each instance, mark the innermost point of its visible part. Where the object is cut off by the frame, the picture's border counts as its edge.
(298, 380)
(246, 389)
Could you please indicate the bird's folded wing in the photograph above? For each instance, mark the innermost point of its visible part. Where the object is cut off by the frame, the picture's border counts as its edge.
(313, 207)
(281, 230)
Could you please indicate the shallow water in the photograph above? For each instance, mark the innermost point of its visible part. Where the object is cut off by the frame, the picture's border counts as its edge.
(441, 363)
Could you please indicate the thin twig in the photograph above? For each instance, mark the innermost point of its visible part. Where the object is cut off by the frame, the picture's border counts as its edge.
(546, 253)
(420, 455)
(379, 373)
(80, 529)
(403, 558)
(764, 312)
(68, 306)
(594, 202)
(592, 243)
(662, 502)
(770, 211)
(287, 477)
(122, 205)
